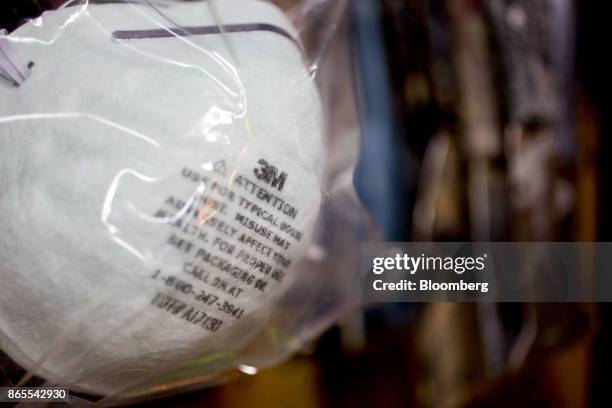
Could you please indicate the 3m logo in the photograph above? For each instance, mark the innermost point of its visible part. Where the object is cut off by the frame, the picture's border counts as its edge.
(270, 174)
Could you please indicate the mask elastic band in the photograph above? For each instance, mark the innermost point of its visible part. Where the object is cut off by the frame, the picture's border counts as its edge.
(201, 30)
(11, 65)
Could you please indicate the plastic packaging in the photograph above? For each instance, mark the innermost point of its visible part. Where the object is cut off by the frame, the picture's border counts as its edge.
(176, 199)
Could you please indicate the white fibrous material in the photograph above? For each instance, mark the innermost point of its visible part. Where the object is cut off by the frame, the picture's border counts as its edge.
(159, 179)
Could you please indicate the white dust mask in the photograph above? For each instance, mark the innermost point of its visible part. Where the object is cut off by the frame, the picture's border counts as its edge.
(159, 179)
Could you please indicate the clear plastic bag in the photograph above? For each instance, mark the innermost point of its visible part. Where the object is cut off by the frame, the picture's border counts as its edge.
(177, 197)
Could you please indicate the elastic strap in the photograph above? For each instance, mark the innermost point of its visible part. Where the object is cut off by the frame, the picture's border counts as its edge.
(12, 67)
(202, 30)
